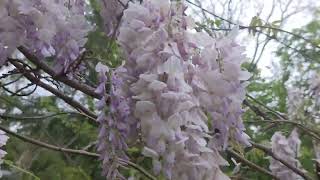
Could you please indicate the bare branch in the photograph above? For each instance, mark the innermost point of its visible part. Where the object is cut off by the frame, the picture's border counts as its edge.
(59, 94)
(75, 151)
(72, 83)
(251, 164)
(255, 27)
(23, 117)
(313, 133)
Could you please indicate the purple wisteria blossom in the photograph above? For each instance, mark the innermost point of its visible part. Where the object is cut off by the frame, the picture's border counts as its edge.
(174, 79)
(116, 124)
(288, 150)
(111, 12)
(47, 28)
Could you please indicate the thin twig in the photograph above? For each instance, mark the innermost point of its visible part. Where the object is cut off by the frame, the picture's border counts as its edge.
(309, 131)
(72, 83)
(251, 164)
(74, 151)
(266, 107)
(313, 133)
(23, 117)
(254, 27)
(54, 91)
(301, 52)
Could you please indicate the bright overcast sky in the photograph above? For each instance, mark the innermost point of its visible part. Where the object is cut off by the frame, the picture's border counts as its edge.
(250, 8)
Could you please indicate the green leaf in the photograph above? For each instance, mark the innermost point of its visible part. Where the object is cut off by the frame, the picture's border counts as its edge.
(255, 21)
(218, 22)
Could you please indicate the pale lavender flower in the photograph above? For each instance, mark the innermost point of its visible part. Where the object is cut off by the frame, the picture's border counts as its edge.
(288, 150)
(111, 12)
(314, 90)
(173, 78)
(115, 123)
(11, 32)
(47, 28)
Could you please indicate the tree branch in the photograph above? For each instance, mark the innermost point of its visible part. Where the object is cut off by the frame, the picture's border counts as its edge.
(309, 131)
(72, 83)
(269, 152)
(262, 32)
(251, 164)
(74, 151)
(59, 94)
(281, 116)
(257, 111)
(254, 27)
(30, 118)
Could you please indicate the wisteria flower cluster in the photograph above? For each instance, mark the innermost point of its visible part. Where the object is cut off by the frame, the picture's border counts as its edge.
(303, 103)
(314, 90)
(295, 102)
(111, 11)
(46, 27)
(3, 140)
(116, 124)
(288, 150)
(182, 90)
(299, 101)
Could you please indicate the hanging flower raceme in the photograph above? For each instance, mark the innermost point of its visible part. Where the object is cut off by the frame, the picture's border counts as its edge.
(295, 102)
(184, 90)
(3, 140)
(288, 150)
(299, 101)
(107, 138)
(115, 122)
(111, 12)
(47, 28)
(314, 90)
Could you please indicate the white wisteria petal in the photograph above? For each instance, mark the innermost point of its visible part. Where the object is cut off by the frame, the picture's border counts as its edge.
(148, 152)
(172, 66)
(144, 107)
(102, 68)
(157, 85)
